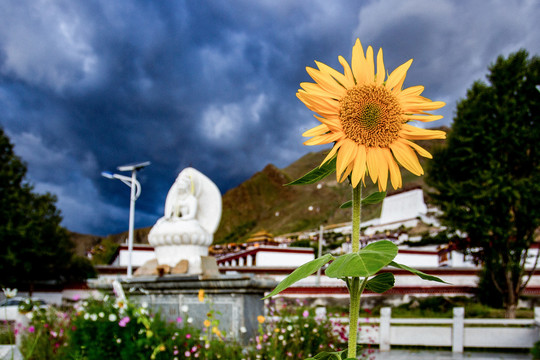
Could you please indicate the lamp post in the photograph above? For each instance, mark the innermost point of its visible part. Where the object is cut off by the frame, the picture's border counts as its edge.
(135, 193)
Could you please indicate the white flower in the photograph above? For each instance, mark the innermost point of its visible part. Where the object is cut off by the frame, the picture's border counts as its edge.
(106, 298)
(101, 314)
(86, 316)
(112, 317)
(184, 308)
(289, 328)
(189, 320)
(93, 317)
(280, 337)
(30, 315)
(9, 293)
(243, 329)
(144, 305)
(118, 341)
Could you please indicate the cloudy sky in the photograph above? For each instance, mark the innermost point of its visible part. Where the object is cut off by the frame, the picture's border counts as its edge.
(86, 86)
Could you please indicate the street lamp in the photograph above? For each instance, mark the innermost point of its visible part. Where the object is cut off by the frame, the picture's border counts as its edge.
(135, 193)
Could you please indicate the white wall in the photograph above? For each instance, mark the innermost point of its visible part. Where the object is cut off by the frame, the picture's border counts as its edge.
(403, 206)
(281, 259)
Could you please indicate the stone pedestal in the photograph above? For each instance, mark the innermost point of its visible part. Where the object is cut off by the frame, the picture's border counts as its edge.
(236, 297)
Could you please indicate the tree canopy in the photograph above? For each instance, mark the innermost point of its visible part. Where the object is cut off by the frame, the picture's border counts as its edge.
(486, 179)
(35, 247)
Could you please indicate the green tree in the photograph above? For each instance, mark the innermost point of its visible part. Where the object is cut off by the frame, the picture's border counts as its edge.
(487, 177)
(35, 247)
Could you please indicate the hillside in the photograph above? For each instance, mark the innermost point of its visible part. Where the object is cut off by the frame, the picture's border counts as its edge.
(264, 203)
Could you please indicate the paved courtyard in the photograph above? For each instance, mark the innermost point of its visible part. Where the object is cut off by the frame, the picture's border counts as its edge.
(447, 355)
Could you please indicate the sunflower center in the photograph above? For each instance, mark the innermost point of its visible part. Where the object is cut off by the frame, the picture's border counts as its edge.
(370, 115)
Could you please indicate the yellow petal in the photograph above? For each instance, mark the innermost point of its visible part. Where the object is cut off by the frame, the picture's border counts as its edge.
(359, 169)
(397, 88)
(345, 155)
(420, 150)
(349, 78)
(324, 103)
(382, 168)
(370, 66)
(398, 74)
(371, 160)
(395, 174)
(413, 133)
(317, 130)
(413, 90)
(323, 139)
(333, 73)
(333, 124)
(423, 118)
(406, 157)
(379, 79)
(358, 63)
(347, 172)
(332, 152)
(315, 89)
(325, 81)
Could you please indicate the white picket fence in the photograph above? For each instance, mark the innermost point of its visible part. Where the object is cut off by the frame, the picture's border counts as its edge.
(457, 333)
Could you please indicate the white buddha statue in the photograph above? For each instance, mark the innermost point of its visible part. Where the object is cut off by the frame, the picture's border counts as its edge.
(192, 215)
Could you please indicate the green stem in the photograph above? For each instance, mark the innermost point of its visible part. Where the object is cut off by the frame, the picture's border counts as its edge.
(356, 217)
(355, 290)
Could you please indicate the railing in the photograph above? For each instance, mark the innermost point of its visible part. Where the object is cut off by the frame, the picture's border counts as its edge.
(456, 332)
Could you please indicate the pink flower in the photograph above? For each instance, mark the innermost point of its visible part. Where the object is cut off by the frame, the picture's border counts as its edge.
(179, 319)
(123, 322)
(187, 354)
(188, 336)
(305, 313)
(259, 346)
(76, 297)
(31, 329)
(175, 352)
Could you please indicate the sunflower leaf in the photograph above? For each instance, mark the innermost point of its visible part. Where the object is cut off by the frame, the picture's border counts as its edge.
(317, 174)
(327, 355)
(381, 282)
(301, 272)
(374, 198)
(346, 204)
(417, 272)
(366, 262)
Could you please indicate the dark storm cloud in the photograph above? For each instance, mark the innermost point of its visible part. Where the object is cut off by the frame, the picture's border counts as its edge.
(87, 86)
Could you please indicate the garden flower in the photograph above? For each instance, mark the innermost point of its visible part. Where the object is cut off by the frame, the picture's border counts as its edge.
(365, 115)
(260, 319)
(206, 323)
(112, 317)
(9, 293)
(305, 313)
(201, 295)
(31, 329)
(184, 308)
(179, 320)
(123, 322)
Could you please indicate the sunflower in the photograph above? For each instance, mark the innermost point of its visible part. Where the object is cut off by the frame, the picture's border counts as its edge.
(365, 115)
